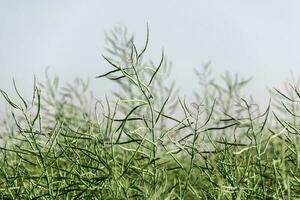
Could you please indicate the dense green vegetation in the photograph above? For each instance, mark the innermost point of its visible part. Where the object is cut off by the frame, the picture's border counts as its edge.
(145, 142)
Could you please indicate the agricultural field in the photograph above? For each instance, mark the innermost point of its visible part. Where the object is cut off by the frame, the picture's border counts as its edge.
(145, 141)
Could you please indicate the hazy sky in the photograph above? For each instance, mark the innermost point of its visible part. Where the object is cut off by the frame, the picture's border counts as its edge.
(253, 38)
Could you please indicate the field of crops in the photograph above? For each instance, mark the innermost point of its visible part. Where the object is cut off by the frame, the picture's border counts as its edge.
(144, 141)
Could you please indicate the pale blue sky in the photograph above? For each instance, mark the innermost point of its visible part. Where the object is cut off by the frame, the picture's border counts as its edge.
(253, 38)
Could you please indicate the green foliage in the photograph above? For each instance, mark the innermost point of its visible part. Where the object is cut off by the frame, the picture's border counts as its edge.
(149, 143)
